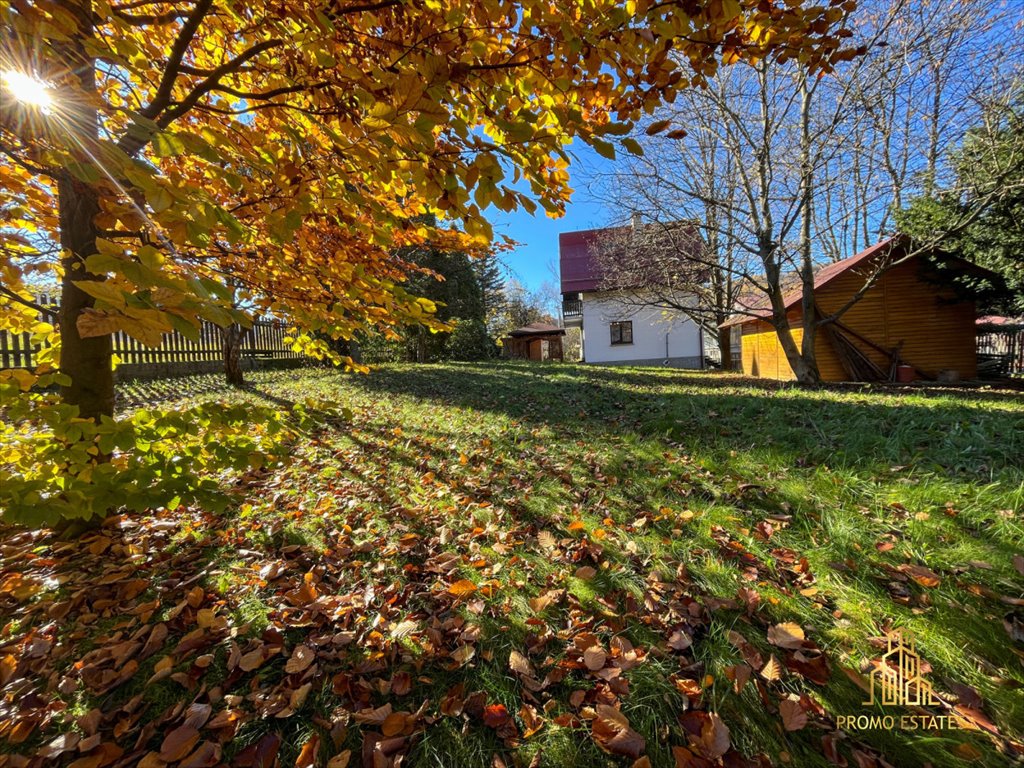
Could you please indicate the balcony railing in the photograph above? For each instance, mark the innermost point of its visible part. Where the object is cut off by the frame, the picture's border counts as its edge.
(572, 309)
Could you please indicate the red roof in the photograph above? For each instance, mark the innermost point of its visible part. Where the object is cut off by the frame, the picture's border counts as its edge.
(759, 307)
(578, 253)
(577, 259)
(999, 320)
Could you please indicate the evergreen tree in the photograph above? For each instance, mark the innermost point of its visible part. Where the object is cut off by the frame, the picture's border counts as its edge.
(981, 216)
(492, 286)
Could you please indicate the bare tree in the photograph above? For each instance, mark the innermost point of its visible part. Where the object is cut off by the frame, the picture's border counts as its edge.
(781, 172)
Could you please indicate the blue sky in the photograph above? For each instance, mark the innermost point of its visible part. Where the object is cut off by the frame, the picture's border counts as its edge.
(537, 235)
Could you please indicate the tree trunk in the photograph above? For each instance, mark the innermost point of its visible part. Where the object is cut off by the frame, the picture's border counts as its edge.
(421, 345)
(87, 361)
(804, 369)
(808, 356)
(232, 344)
(725, 347)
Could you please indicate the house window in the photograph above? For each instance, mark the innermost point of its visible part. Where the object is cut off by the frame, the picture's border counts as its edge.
(622, 333)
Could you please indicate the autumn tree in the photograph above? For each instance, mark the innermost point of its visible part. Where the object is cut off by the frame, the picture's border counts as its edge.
(153, 151)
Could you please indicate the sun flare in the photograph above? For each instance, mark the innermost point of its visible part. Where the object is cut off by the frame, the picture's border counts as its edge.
(27, 89)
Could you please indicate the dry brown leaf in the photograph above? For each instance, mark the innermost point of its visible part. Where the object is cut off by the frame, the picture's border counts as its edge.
(178, 743)
(713, 741)
(300, 659)
(206, 755)
(786, 635)
(680, 641)
(496, 715)
(463, 654)
(307, 755)
(594, 658)
(532, 721)
(793, 715)
(926, 577)
(393, 724)
(251, 660)
(739, 674)
(372, 716)
(612, 732)
(518, 663)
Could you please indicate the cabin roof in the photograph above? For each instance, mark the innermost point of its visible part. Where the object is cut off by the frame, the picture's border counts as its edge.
(759, 308)
(537, 329)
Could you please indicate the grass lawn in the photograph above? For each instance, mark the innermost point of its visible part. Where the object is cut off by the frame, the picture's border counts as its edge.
(542, 565)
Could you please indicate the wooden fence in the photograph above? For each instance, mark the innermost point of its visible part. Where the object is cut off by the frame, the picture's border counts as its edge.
(1001, 348)
(177, 354)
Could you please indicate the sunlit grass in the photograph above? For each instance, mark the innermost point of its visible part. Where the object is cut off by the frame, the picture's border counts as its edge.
(856, 480)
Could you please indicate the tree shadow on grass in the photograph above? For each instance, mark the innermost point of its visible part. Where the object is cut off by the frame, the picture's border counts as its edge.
(978, 432)
(377, 560)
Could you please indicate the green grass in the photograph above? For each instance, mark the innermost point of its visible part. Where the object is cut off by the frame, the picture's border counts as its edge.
(668, 472)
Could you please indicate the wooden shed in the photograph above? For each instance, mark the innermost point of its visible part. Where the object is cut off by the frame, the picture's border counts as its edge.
(536, 341)
(909, 316)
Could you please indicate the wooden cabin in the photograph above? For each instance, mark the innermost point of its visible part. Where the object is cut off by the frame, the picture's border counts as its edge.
(536, 341)
(908, 325)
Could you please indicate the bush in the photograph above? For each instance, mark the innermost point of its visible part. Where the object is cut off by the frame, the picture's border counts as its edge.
(470, 342)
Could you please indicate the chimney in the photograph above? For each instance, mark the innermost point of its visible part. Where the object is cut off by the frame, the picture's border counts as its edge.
(635, 218)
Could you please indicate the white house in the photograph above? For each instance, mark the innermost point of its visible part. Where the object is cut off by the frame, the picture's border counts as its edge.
(620, 326)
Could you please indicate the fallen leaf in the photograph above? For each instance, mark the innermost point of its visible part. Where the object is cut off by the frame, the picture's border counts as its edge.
(300, 659)
(787, 635)
(771, 670)
(519, 663)
(462, 588)
(307, 755)
(496, 715)
(178, 743)
(463, 654)
(612, 732)
(793, 715)
(594, 658)
(680, 641)
(713, 741)
(393, 724)
(922, 575)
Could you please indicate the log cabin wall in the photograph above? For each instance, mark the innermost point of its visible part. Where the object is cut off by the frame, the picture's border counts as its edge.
(936, 329)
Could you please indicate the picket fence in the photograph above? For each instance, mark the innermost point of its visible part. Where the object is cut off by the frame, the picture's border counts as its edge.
(177, 354)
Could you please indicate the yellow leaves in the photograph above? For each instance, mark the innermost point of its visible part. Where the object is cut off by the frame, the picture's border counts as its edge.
(22, 378)
(428, 110)
(148, 326)
(380, 116)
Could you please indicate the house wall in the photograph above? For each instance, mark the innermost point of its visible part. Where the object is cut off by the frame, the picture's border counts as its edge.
(651, 325)
(937, 331)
